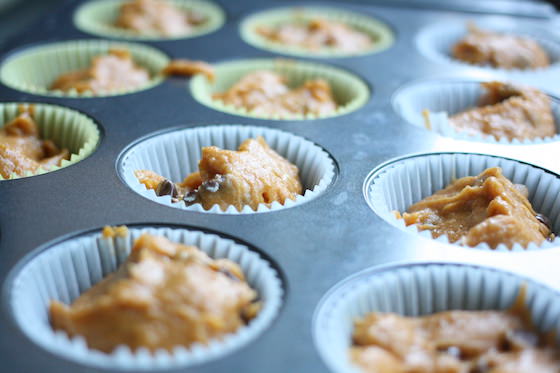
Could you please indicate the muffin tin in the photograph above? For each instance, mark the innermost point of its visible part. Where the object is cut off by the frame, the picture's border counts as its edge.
(313, 245)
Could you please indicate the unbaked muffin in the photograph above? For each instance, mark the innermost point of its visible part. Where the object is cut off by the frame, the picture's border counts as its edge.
(487, 48)
(157, 17)
(267, 93)
(508, 111)
(22, 151)
(252, 175)
(452, 342)
(316, 34)
(165, 295)
(487, 208)
(113, 72)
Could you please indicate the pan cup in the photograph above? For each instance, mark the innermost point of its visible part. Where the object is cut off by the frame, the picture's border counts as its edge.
(64, 270)
(399, 183)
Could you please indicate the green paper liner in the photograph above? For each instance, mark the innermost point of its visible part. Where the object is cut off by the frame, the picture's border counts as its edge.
(380, 33)
(98, 17)
(349, 91)
(67, 128)
(34, 69)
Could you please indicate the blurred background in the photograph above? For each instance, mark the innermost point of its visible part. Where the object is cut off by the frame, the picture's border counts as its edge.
(16, 15)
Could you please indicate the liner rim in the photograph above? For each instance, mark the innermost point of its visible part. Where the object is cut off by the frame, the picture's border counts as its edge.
(216, 13)
(358, 102)
(321, 187)
(486, 139)
(87, 149)
(336, 294)
(7, 290)
(35, 47)
(377, 171)
(425, 46)
(249, 36)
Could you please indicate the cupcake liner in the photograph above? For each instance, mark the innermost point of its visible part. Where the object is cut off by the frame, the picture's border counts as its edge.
(68, 268)
(443, 98)
(98, 17)
(175, 154)
(422, 289)
(436, 42)
(67, 128)
(349, 91)
(379, 32)
(399, 183)
(34, 69)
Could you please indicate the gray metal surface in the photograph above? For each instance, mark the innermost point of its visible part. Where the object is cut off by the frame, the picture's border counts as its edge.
(316, 244)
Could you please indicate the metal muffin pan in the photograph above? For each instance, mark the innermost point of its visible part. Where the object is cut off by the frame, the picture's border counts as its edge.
(314, 245)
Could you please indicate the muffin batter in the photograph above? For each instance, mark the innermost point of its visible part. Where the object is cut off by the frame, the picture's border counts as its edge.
(451, 342)
(508, 111)
(485, 208)
(317, 34)
(252, 175)
(166, 294)
(21, 149)
(189, 68)
(112, 72)
(266, 93)
(157, 17)
(481, 47)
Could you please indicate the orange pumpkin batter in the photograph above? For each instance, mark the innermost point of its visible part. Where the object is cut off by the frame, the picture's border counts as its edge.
(21, 149)
(252, 175)
(112, 72)
(485, 208)
(165, 295)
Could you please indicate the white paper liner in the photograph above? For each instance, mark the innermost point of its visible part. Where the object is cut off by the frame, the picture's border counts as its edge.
(399, 183)
(65, 270)
(421, 289)
(436, 42)
(176, 154)
(444, 98)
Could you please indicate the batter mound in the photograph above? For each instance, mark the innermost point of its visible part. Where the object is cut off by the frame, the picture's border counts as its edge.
(166, 294)
(266, 93)
(21, 149)
(252, 175)
(317, 34)
(451, 342)
(508, 111)
(481, 47)
(485, 208)
(112, 72)
(157, 17)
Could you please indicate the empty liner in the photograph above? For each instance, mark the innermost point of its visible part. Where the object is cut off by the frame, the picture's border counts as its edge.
(98, 17)
(176, 154)
(34, 69)
(444, 98)
(422, 289)
(349, 91)
(397, 184)
(67, 128)
(379, 32)
(66, 269)
(436, 42)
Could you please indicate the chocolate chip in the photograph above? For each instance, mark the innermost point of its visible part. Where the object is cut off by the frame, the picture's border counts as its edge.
(213, 185)
(544, 219)
(166, 188)
(190, 197)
